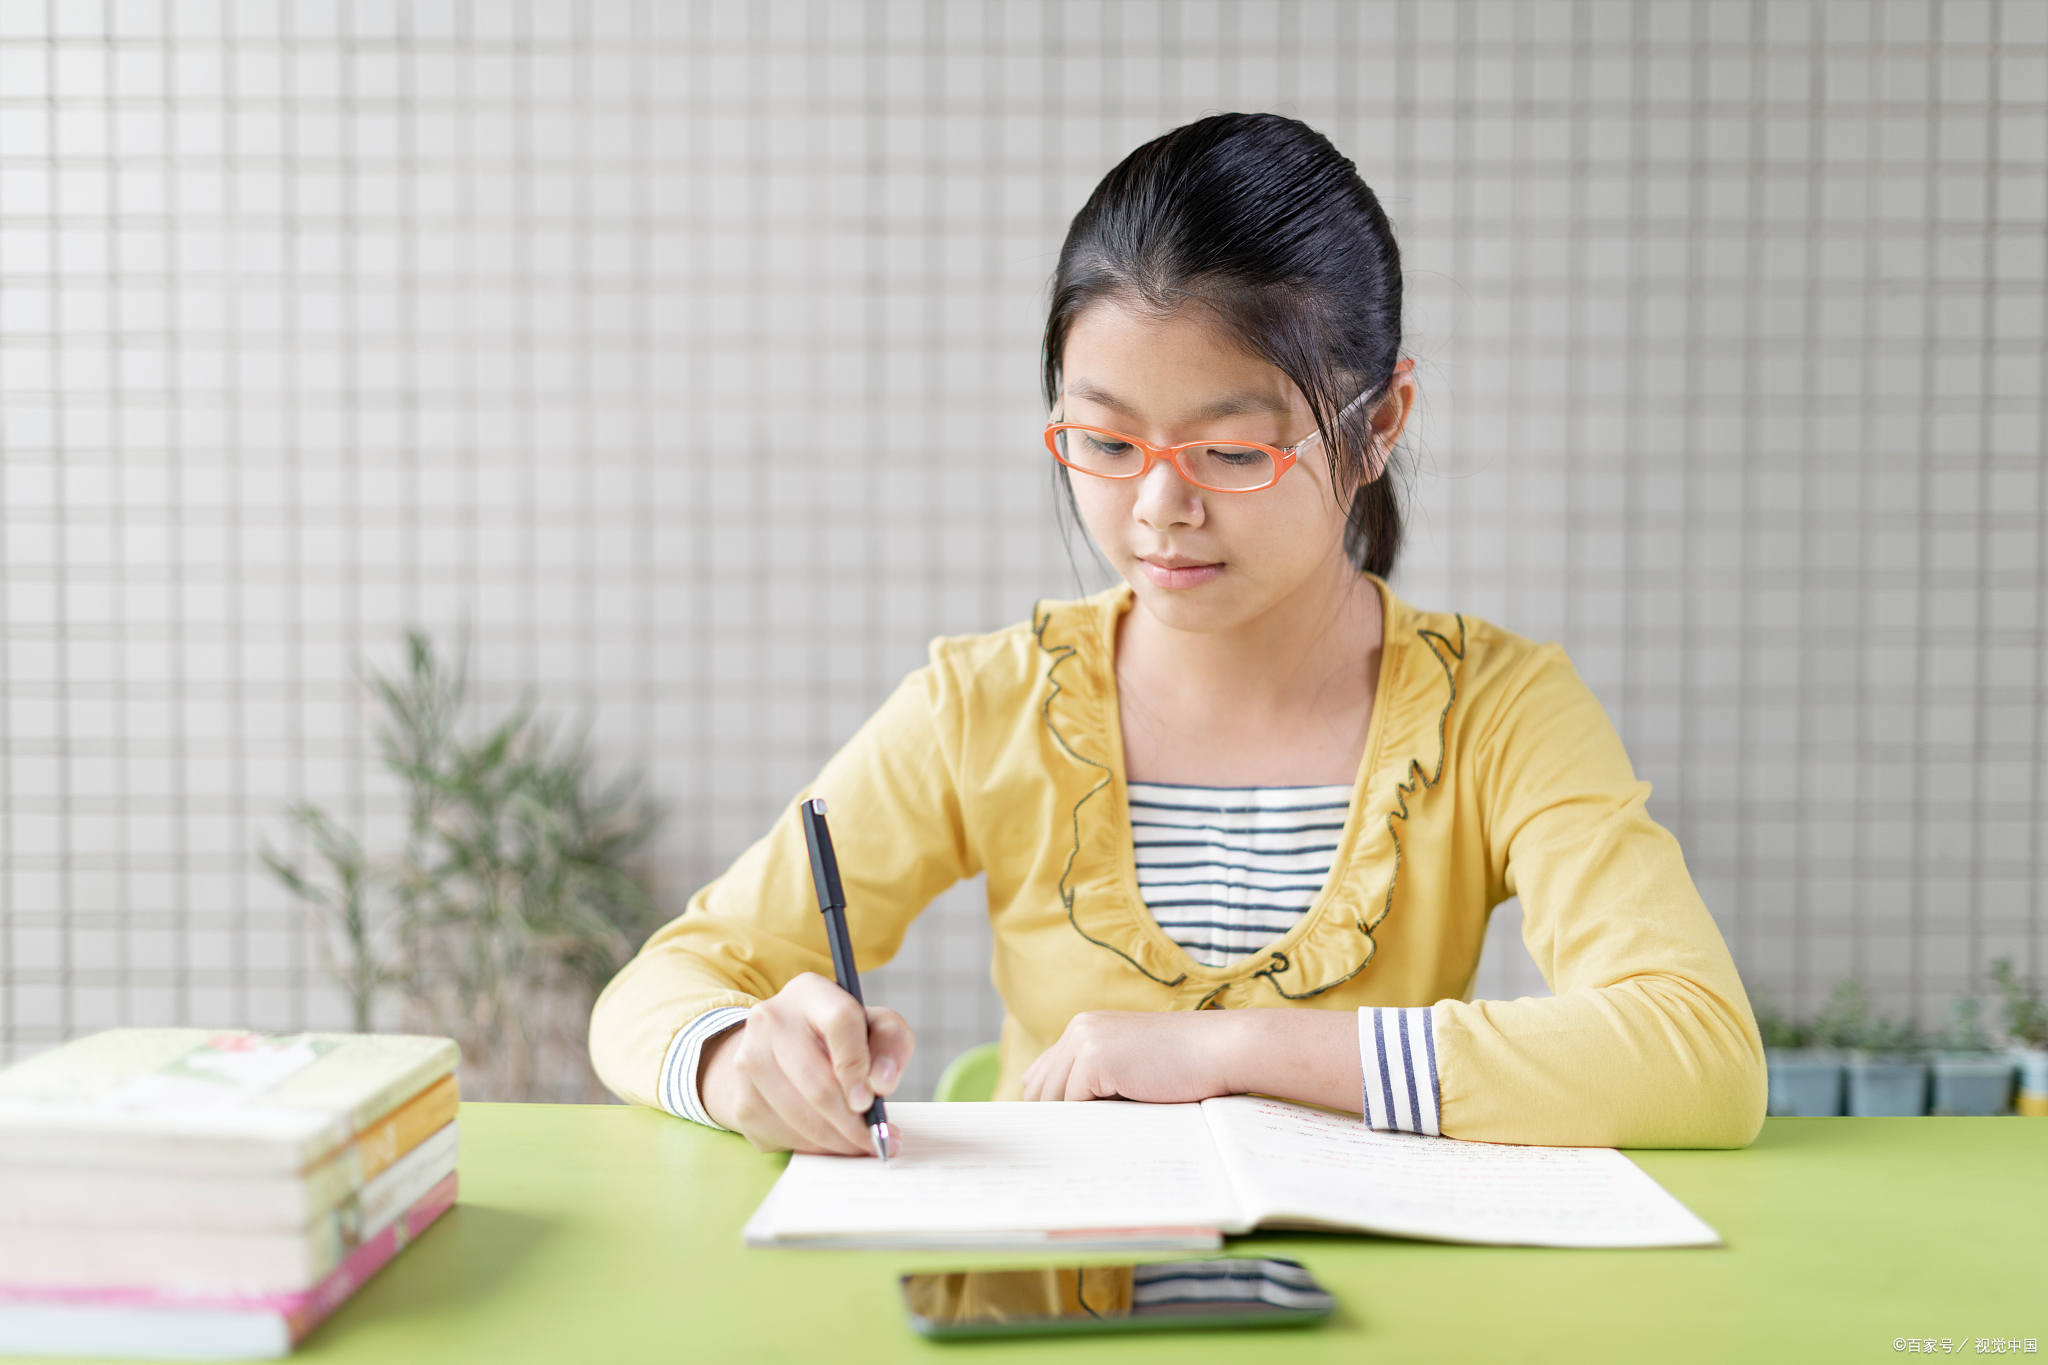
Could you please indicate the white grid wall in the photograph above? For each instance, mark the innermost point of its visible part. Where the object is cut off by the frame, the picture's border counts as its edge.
(681, 358)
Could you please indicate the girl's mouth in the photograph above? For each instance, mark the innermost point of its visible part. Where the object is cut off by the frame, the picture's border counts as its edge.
(1179, 573)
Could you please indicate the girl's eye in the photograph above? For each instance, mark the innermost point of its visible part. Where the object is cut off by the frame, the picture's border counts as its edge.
(1235, 454)
(1107, 448)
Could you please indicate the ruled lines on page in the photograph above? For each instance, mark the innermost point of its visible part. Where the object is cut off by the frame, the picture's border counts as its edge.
(1310, 1167)
(984, 1173)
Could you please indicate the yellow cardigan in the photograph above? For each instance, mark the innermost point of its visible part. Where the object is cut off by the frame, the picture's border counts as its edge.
(1490, 771)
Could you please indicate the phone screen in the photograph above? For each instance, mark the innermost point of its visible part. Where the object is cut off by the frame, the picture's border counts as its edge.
(1228, 1291)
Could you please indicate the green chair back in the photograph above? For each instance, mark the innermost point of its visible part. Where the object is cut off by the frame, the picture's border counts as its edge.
(971, 1075)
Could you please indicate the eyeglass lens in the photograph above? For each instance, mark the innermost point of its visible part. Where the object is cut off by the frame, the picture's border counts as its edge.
(1215, 465)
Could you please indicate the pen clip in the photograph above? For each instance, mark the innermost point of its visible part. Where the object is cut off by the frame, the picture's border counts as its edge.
(824, 862)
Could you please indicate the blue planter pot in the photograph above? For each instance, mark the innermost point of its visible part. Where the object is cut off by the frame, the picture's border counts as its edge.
(1971, 1083)
(2033, 1066)
(1806, 1082)
(1887, 1087)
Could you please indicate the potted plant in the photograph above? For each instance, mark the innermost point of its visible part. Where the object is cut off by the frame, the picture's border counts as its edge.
(1806, 1081)
(1886, 1073)
(515, 894)
(1969, 1076)
(2026, 1029)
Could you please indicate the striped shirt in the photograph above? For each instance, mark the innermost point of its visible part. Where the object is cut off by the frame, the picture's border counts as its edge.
(1226, 870)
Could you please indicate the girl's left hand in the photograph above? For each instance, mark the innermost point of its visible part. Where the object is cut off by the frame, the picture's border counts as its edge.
(1128, 1054)
(1180, 1058)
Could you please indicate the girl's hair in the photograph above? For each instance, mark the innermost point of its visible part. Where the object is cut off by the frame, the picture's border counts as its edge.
(1258, 219)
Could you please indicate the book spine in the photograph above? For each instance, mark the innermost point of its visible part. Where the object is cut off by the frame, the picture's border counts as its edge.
(412, 1123)
(390, 1194)
(366, 1260)
(382, 1204)
(375, 1151)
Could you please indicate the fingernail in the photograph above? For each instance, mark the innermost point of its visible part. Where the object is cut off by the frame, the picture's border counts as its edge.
(885, 1072)
(859, 1097)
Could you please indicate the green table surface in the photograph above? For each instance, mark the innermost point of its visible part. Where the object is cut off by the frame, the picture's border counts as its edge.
(613, 1234)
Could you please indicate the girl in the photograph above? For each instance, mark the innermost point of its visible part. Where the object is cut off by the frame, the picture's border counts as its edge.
(1244, 817)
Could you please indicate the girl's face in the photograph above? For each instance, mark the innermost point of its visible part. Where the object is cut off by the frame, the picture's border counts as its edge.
(1199, 560)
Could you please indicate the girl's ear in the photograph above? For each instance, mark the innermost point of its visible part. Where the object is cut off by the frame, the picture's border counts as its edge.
(1390, 418)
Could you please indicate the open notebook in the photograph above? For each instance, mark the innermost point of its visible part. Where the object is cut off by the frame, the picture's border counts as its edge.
(1180, 1176)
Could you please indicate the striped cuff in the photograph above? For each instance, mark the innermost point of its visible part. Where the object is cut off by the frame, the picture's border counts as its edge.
(1397, 1048)
(676, 1088)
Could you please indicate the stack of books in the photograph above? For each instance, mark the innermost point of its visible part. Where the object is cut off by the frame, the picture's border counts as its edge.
(179, 1193)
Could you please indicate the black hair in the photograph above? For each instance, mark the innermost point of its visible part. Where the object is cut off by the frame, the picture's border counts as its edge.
(1262, 221)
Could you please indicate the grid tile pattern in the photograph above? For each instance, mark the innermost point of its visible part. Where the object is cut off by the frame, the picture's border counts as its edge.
(679, 358)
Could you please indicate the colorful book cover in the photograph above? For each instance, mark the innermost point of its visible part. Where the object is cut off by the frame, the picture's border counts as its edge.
(198, 1099)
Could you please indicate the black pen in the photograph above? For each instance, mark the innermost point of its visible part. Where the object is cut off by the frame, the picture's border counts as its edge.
(832, 902)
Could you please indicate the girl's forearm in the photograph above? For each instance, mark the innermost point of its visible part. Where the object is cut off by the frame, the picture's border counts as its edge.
(1295, 1054)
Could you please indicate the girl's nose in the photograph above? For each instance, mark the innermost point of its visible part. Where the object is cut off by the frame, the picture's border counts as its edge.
(1166, 499)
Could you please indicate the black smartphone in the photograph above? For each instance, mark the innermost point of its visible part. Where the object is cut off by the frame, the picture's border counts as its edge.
(1226, 1291)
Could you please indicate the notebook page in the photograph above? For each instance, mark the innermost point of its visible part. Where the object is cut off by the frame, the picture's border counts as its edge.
(1305, 1166)
(973, 1169)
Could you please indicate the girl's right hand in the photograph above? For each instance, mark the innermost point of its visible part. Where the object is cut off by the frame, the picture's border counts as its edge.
(803, 1069)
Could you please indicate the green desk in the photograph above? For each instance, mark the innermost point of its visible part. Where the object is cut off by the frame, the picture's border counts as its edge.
(612, 1234)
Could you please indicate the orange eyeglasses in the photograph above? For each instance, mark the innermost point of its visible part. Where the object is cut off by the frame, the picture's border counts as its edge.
(1219, 466)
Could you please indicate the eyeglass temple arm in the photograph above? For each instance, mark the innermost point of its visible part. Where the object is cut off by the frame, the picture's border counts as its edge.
(1342, 413)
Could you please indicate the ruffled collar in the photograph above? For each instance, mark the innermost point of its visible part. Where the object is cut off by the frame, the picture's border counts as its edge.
(1333, 941)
